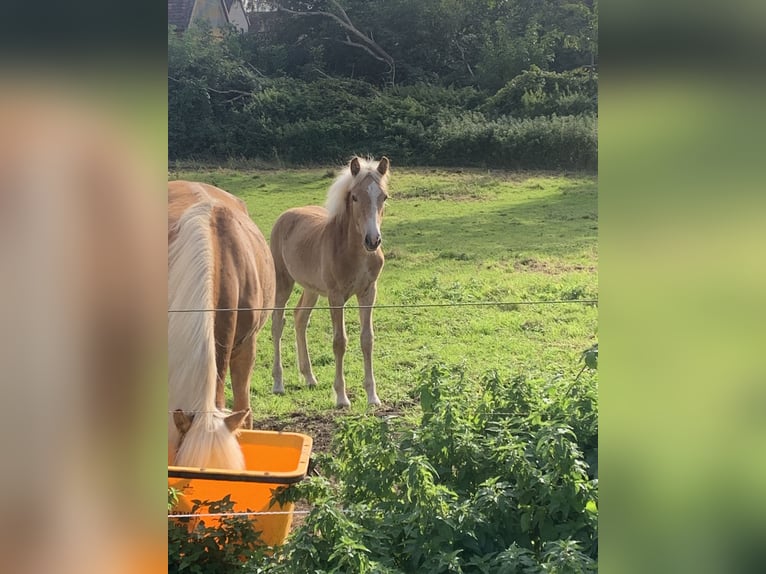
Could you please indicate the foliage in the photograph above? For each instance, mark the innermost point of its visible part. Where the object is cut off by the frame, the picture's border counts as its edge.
(172, 498)
(493, 478)
(470, 138)
(538, 93)
(207, 87)
(221, 547)
(327, 119)
(590, 357)
(480, 43)
(299, 91)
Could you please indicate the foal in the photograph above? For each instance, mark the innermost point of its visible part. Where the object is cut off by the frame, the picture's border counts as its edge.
(334, 252)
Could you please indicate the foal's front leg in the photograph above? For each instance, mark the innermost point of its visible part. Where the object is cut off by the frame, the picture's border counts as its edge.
(339, 342)
(366, 301)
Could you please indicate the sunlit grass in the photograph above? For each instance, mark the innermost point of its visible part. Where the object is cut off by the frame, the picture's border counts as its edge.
(449, 236)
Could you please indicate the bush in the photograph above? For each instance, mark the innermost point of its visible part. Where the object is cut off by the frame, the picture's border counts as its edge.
(537, 93)
(486, 482)
(498, 475)
(207, 86)
(195, 547)
(218, 108)
(568, 142)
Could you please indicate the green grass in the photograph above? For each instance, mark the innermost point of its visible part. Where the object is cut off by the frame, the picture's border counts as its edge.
(448, 236)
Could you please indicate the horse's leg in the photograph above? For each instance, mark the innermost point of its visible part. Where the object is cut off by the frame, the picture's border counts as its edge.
(284, 289)
(366, 301)
(242, 360)
(339, 341)
(225, 326)
(308, 299)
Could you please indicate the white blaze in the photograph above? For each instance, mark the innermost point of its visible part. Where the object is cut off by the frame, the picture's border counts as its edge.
(374, 192)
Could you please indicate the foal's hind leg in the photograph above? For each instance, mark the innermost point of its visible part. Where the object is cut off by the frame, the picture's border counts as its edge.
(302, 315)
(284, 288)
(242, 360)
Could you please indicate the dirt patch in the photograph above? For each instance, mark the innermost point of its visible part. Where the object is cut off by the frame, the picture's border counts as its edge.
(320, 427)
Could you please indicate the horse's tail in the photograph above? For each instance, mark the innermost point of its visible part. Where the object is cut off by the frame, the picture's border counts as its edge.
(191, 336)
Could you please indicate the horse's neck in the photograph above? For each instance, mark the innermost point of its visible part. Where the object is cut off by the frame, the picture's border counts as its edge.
(350, 251)
(347, 235)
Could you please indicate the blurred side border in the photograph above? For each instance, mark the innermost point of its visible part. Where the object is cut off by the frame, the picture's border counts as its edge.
(83, 91)
(682, 277)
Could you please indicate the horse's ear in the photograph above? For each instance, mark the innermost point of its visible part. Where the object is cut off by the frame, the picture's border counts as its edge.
(182, 420)
(355, 167)
(383, 165)
(235, 420)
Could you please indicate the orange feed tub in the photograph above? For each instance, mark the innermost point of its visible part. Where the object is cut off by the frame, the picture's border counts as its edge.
(272, 459)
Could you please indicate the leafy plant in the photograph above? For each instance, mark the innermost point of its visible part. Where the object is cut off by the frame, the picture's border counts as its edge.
(589, 358)
(220, 547)
(493, 478)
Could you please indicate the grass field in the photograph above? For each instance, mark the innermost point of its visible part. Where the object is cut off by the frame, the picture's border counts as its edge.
(448, 236)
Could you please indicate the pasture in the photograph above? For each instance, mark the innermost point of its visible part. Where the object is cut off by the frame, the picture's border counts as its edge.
(457, 236)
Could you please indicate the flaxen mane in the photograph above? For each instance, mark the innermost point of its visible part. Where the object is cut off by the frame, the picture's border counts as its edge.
(336, 195)
(191, 348)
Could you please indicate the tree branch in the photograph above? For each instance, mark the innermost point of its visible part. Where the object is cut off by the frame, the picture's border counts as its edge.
(365, 42)
(240, 93)
(348, 42)
(342, 11)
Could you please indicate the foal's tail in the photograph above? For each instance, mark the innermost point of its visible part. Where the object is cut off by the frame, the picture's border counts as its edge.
(191, 342)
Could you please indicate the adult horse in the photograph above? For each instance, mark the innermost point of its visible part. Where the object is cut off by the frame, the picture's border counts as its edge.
(335, 252)
(217, 259)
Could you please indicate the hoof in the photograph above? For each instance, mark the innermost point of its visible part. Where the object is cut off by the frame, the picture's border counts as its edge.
(278, 391)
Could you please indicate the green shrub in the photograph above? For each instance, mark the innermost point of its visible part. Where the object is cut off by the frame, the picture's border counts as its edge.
(197, 548)
(496, 476)
(568, 142)
(537, 93)
(218, 108)
(491, 481)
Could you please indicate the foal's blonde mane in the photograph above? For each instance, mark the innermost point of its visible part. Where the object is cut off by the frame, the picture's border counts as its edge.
(336, 195)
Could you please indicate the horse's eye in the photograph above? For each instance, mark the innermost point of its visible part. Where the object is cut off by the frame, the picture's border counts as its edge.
(385, 197)
(353, 198)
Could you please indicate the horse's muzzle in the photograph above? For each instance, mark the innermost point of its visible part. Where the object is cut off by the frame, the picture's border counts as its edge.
(371, 243)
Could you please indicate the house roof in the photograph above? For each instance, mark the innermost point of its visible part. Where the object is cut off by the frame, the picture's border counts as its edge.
(179, 13)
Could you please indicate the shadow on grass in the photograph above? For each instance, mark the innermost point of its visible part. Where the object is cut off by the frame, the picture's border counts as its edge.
(559, 225)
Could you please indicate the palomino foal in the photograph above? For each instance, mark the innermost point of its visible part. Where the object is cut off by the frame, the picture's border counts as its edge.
(334, 252)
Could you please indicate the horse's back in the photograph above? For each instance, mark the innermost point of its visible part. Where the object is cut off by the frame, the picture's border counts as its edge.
(297, 245)
(244, 267)
(298, 231)
(299, 221)
(184, 194)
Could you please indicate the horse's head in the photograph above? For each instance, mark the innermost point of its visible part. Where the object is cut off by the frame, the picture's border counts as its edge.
(209, 440)
(366, 199)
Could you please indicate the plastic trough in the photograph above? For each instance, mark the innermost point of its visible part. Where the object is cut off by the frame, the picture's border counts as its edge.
(272, 459)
